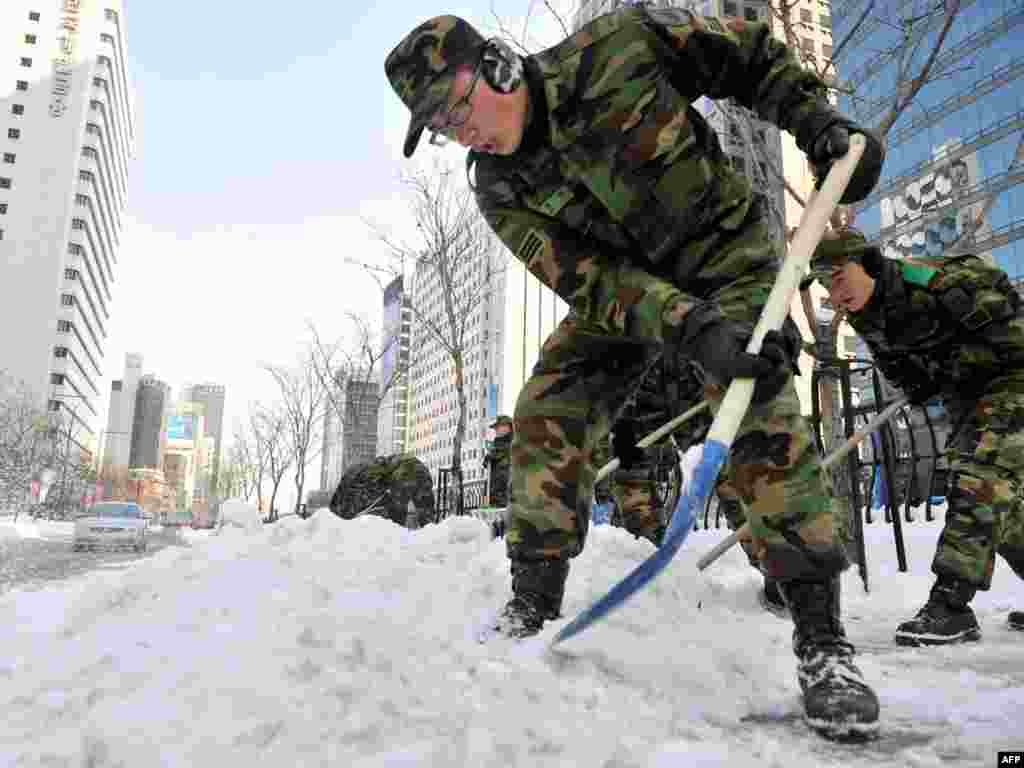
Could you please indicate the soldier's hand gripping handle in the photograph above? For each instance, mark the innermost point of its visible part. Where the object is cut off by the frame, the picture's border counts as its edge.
(824, 136)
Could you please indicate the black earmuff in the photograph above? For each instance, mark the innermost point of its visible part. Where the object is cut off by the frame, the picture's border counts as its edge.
(501, 67)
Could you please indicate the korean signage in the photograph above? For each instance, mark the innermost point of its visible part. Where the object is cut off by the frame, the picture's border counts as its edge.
(937, 190)
(64, 59)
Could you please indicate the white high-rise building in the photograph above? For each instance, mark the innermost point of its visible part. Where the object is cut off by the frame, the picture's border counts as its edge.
(392, 415)
(117, 438)
(66, 138)
(503, 336)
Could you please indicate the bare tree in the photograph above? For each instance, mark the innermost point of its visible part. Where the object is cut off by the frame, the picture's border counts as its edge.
(269, 427)
(304, 402)
(24, 446)
(359, 358)
(454, 257)
(244, 468)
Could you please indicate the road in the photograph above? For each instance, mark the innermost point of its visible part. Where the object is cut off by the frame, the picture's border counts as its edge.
(32, 563)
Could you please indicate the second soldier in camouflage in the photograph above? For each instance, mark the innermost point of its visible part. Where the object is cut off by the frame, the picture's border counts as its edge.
(950, 327)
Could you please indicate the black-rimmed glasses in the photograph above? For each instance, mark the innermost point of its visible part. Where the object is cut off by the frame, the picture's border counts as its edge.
(443, 130)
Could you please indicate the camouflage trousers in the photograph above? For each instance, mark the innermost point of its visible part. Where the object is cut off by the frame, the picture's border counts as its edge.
(586, 373)
(986, 510)
(633, 489)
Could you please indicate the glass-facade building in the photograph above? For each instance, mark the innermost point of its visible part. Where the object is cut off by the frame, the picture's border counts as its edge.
(950, 183)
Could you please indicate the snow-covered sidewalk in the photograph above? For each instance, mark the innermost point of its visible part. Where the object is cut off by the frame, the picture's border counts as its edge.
(353, 643)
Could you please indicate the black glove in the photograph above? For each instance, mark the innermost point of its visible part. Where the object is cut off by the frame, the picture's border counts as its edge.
(825, 137)
(624, 446)
(719, 345)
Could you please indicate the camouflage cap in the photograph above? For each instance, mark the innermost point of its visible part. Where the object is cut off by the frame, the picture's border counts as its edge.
(835, 249)
(502, 420)
(421, 68)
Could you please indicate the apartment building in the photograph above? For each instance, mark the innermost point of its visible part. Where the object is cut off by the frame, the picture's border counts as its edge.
(66, 138)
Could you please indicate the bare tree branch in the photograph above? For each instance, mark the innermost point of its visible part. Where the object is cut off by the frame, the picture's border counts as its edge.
(903, 100)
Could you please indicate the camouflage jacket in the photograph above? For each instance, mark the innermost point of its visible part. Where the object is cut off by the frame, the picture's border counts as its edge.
(948, 326)
(618, 164)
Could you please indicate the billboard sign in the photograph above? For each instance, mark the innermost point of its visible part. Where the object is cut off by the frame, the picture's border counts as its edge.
(179, 427)
(938, 189)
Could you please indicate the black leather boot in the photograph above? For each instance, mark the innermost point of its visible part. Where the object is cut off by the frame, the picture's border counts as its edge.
(537, 590)
(838, 703)
(945, 619)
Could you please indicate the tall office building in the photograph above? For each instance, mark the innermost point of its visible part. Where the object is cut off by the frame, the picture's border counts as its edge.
(353, 438)
(211, 397)
(149, 424)
(66, 136)
(392, 417)
(117, 438)
(951, 182)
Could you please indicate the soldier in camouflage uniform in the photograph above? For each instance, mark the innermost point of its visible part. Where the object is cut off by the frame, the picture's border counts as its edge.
(498, 461)
(595, 169)
(953, 327)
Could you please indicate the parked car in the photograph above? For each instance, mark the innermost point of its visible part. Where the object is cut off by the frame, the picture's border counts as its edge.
(111, 524)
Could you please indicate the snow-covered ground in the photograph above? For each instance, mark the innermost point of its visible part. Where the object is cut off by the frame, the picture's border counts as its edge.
(354, 643)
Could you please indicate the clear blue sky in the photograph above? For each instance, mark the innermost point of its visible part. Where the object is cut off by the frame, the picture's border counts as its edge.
(266, 135)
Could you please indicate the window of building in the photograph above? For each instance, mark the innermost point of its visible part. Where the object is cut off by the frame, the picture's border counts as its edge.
(85, 175)
(14, 133)
(30, 39)
(78, 223)
(26, 61)
(67, 300)
(54, 405)
(807, 44)
(33, 15)
(1, 234)
(9, 157)
(70, 274)
(21, 85)
(3, 208)
(5, 182)
(64, 326)
(81, 199)
(17, 109)
(729, 9)
(75, 249)
(806, 16)
(750, 14)
(57, 379)
(60, 351)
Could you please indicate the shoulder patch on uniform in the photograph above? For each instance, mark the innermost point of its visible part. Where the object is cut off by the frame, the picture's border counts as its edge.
(556, 201)
(918, 274)
(533, 244)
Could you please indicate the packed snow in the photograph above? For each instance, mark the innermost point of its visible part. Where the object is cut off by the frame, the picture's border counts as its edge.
(356, 643)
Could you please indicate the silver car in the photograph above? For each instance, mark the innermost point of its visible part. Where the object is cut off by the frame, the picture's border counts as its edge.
(111, 524)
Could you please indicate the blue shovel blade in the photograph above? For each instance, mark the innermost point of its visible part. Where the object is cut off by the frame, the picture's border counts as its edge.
(690, 504)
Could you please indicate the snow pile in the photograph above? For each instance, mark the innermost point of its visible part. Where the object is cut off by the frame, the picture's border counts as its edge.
(325, 642)
(237, 514)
